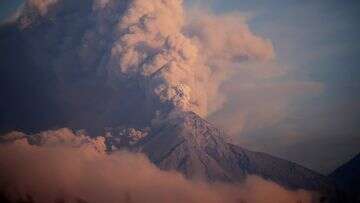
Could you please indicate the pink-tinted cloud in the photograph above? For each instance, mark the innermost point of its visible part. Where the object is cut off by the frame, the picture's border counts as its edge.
(74, 167)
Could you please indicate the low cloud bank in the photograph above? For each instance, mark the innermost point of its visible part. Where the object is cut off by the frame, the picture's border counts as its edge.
(62, 165)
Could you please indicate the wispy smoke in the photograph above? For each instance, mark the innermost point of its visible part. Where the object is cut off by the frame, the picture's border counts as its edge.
(256, 104)
(60, 165)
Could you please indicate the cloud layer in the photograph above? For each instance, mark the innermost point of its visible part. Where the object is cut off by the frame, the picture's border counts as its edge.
(62, 165)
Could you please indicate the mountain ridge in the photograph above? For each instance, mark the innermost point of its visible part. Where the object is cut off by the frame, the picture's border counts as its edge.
(347, 178)
(194, 147)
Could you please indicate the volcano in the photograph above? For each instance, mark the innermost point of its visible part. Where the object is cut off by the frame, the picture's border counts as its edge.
(196, 148)
(55, 73)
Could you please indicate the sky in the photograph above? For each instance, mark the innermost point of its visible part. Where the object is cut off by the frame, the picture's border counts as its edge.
(303, 106)
(317, 43)
(7, 7)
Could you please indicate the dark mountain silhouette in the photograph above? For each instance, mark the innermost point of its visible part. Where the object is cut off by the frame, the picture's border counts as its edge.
(347, 178)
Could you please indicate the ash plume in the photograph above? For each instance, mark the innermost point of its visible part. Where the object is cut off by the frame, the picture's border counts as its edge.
(111, 62)
(181, 62)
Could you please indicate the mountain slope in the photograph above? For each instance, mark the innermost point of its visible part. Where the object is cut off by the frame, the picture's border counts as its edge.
(194, 147)
(347, 178)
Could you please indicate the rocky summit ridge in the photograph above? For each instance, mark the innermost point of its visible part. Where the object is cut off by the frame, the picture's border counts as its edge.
(189, 144)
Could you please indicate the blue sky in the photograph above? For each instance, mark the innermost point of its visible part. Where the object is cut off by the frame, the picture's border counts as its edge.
(317, 43)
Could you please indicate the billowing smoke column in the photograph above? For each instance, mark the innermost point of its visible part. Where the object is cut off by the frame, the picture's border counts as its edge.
(178, 62)
(152, 49)
(117, 62)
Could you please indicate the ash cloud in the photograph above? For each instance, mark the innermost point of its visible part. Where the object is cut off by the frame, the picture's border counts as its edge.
(63, 166)
(110, 62)
(182, 61)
